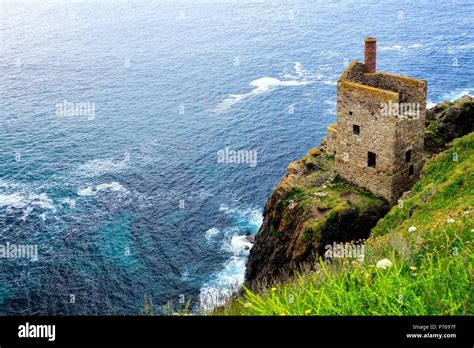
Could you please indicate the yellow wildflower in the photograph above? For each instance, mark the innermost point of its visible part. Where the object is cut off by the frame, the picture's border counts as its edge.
(314, 151)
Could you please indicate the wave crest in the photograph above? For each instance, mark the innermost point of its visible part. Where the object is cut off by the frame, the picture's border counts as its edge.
(266, 84)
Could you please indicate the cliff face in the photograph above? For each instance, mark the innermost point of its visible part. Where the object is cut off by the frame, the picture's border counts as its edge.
(311, 207)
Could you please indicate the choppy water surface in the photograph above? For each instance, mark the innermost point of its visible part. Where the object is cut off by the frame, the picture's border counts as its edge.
(123, 192)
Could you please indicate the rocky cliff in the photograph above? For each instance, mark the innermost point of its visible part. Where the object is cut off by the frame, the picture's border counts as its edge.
(311, 207)
(447, 121)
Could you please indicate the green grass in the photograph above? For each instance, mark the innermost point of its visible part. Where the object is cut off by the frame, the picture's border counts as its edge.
(447, 185)
(432, 267)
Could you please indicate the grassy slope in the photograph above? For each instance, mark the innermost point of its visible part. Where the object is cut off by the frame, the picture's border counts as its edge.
(432, 271)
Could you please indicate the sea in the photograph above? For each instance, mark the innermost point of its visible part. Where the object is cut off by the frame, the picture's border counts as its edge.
(140, 139)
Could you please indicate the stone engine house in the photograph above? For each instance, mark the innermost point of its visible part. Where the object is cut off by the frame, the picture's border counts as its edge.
(378, 138)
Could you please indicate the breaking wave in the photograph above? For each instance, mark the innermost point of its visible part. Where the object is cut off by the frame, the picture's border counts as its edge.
(237, 245)
(266, 84)
(450, 96)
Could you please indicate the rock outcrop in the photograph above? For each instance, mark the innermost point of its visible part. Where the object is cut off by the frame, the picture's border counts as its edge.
(448, 121)
(309, 209)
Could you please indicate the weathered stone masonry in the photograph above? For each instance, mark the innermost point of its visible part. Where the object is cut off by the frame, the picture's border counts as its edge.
(376, 146)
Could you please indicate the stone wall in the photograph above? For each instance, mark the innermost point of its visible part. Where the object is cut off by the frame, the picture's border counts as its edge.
(359, 105)
(359, 110)
(409, 89)
(329, 145)
(410, 136)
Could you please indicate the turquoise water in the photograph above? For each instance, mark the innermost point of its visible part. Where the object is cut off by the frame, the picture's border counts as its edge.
(128, 199)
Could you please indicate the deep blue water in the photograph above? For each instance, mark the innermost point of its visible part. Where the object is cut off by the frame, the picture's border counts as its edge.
(131, 201)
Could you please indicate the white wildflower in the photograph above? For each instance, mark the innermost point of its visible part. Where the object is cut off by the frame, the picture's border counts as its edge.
(412, 229)
(385, 263)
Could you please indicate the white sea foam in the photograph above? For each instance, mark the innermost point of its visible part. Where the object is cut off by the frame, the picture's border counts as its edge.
(88, 191)
(401, 48)
(68, 201)
(113, 186)
(299, 69)
(324, 67)
(331, 110)
(97, 167)
(9, 184)
(16, 200)
(329, 54)
(230, 279)
(19, 201)
(27, 203)
(211, 233)
(26, 213)
(238, 246)
(20, 197)
(429, 104)
(456, 94)
(267, 84)
(450, 96)
(225, 283)
(185, 276)
(392, 48)
(458, 48)
(250, 217)
(42, 201)
(299, 73)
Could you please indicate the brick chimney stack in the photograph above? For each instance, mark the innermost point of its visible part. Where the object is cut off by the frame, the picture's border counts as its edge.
(370, 54)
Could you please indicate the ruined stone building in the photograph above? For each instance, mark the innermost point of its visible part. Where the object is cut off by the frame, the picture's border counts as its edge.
(378, 138)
